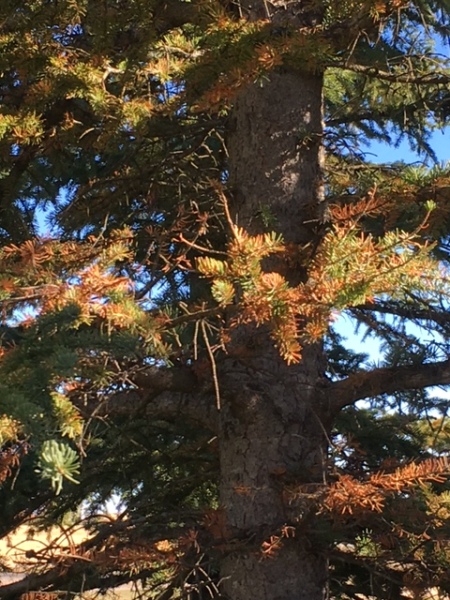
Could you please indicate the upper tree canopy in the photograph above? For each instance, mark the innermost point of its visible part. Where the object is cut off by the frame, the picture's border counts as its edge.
(186, 202)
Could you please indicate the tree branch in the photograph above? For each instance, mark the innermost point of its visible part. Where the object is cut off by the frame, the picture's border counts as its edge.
(175, 13)
(388, 380)
(411, 77)
(58, 578)
(374, 115)
(158, 392)
(74, 564)
(413, 313)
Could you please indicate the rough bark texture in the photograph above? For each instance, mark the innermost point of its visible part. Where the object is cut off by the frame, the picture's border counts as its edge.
(271, 422)
(275, 148)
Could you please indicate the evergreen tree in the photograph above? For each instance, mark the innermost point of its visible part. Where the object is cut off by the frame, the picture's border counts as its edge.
(170, 339)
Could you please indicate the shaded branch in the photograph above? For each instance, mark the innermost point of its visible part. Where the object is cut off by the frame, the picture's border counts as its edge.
(158, 392)
(387, 380)
(58, 578)
(388, 572)
(175, 13)
(72, 569)
(44, 581)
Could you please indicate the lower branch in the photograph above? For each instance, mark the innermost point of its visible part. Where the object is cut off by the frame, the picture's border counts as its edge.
(156, 392)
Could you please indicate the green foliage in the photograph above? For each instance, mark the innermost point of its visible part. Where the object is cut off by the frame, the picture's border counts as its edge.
(350, 269)
(57, 462)
(365, 545)
(67, 416)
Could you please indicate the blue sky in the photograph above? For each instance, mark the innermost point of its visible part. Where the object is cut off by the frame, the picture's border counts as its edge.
(384, 153)
(440, 143)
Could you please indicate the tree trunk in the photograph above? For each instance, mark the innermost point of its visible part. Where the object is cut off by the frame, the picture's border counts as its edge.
(272, 426)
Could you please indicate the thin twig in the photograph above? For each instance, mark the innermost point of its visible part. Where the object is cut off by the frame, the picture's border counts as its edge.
(227, 213)
(201, 248)
(213, 364)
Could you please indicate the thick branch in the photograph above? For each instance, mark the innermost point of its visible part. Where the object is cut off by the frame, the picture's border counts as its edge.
(57, 579)
(158, 392)
(153, 379)
(32, 582)
(175, 13)
(388, 380)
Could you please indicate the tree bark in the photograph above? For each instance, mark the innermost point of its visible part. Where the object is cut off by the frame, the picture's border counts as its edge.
(387, 380)
(271, 422)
